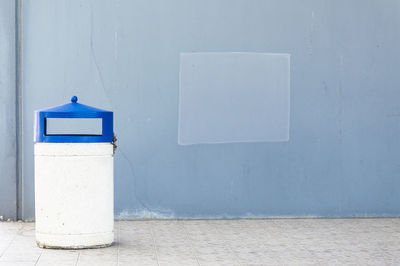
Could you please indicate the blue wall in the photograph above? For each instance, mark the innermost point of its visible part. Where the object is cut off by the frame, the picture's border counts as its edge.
(8, 150)
(342, 158)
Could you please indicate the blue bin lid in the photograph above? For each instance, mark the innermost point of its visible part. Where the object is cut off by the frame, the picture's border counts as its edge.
(73, 110)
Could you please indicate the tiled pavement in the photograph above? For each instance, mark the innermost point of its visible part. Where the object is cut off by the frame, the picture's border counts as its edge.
(220, 242)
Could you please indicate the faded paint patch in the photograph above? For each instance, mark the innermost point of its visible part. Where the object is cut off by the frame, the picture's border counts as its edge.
(233, 97)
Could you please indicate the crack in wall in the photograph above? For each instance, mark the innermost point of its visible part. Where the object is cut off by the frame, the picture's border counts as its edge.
(95, 60)
(131, 169)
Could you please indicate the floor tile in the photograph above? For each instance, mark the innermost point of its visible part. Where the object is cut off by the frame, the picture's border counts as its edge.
(220, 242)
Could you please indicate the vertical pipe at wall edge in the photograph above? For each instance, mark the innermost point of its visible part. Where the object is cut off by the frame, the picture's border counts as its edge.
(18, 107)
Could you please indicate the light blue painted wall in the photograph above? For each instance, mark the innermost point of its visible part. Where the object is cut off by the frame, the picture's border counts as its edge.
(343, 155)
(8, 151)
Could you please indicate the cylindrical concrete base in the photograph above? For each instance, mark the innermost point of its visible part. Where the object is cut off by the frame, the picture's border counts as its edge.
(74, 195)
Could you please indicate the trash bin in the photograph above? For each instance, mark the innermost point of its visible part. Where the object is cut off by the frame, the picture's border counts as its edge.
(74, 186)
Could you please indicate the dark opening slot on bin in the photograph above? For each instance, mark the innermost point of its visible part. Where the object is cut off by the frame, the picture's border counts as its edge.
(73, 127)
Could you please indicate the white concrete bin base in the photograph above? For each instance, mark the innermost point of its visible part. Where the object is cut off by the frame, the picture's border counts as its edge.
(74, 195)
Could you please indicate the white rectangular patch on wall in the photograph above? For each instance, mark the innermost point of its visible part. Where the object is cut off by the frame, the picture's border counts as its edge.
(233, 97)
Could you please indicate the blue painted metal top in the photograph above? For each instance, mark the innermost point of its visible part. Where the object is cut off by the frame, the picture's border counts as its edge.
(73, 110)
